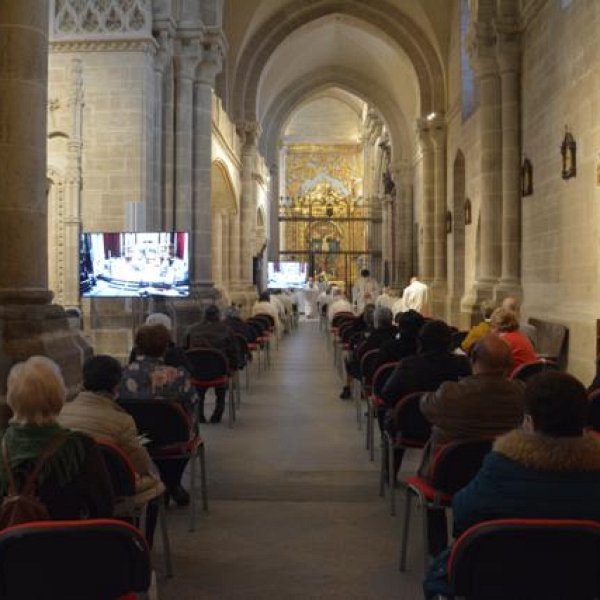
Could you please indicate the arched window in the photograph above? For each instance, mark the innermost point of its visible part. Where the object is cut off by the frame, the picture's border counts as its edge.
(469, 86)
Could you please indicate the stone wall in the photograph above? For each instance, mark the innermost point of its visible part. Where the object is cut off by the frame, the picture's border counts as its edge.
(561, 278)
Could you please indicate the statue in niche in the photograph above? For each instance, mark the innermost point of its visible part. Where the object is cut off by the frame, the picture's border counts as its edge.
(389, 187)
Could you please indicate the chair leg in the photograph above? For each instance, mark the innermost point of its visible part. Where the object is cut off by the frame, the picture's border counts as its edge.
(372, 434)
(384, 452)
(238, 390)
(202, 456)
(166, 544)
(231, 412)
(357, 400)
(247, 369)
(392, 477)
(405, 531)
(192, 524)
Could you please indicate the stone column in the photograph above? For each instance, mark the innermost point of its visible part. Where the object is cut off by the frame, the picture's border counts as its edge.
(73, 185)
(376, 238)
(509, 61)
(28, 323)
(249, 133)
(427, 245)
(490, 164)
(217, 247)
(209, 66)
(273, 250)
(185, 69)
(404, 227)
(225, 273)
(156, 204)
(439, 286)
(235, 246)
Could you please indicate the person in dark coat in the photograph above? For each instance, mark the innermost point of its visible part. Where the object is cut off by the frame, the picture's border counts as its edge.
(405, 342)
(214, 333)
(429, 368)
(549, 469)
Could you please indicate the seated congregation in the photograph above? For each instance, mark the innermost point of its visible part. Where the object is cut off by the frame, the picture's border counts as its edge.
(119, 449)
(503, 433)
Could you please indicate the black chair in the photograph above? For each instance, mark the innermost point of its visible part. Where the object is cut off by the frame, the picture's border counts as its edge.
(375, 402)
(536, 559)
(452, 468)
(528, 370)
(413, 432)
(210, 368)
(129, 503)
(97, 559)
(172, 437)
(245, 353)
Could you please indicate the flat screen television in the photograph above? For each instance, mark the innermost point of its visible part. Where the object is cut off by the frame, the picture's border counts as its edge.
(287, 274)
(138, 265)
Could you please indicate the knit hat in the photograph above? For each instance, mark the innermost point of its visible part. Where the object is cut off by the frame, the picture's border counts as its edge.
(159, 319)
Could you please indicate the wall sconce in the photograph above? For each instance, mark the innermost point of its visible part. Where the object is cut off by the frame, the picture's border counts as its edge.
(568, 150)
(467, 212)
(448, 222)
(526, 177)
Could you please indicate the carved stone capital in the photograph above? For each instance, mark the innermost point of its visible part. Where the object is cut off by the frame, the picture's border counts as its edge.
(186, 62)
(248, 132)
(481, 46)
(508, 44)
(214, 47)
(423, 134)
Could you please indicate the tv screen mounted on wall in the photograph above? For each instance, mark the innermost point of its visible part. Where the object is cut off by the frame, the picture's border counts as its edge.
(138, 265)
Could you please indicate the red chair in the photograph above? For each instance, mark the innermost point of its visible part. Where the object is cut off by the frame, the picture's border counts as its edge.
(210, 368)
(172, 437)
(375, 402)
(368, 365)
(129, 503)
(533, 559)
(528, 370)
(97, 559)
(413, 432)
(453, 467)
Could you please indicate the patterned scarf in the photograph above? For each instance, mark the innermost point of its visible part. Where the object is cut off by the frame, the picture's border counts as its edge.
(26, 442)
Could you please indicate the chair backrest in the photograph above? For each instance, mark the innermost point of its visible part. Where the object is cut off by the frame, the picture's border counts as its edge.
(456, 463)
(267, 320)
(99, 559)
(528, 370)
(345, 331)
(119, 467)
(382, 374)
(207, 364)
(413, 429)
(257, 327)
(341, 317)
(368, 365)
(527, 558)
(243, 351)
(163, 422)
(552, 340)
(594, 410)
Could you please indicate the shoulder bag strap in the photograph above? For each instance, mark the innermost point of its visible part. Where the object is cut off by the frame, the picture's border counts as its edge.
(47, 453)
(12, 488)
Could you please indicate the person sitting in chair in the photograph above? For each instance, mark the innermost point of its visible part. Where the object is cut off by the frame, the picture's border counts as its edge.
(548, 469)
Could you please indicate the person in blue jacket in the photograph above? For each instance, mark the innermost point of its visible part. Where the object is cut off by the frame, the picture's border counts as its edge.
(549, 469)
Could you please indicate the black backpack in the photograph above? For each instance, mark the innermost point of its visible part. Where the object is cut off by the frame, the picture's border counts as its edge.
(25, 506)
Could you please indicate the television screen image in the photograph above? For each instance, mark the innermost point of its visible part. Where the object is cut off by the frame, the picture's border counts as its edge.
(134, 264)
(283, 275)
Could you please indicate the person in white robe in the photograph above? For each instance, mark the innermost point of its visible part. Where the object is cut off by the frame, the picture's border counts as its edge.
(310, 299)
(416, 297)
(365, 290)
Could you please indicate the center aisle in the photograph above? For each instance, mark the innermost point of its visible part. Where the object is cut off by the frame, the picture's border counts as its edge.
(294, 509)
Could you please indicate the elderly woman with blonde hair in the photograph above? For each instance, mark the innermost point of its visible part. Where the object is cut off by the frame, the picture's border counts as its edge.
(505, 323)
(74, 482)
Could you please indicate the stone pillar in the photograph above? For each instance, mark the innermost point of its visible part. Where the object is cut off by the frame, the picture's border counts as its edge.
(427, 245)
(225, 273)
(404, 227)
(28, 323)
(185, 70)
(490, 165)
(235, 245)
(273, 250)
(168, 152)
(156, 204)
(509, 61)
(376, 238)
(73, 182)
(249, 133)
(439, 286)
(217, 247)
(209, 66)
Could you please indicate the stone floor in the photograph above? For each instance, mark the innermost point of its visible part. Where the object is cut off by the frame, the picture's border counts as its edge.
(294, 505)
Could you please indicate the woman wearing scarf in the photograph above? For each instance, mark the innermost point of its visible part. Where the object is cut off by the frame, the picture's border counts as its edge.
(74, 482)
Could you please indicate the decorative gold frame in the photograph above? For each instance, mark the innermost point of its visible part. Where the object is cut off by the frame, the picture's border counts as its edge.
(568, 150)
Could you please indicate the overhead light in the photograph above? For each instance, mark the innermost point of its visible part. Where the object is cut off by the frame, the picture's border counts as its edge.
(431, 116)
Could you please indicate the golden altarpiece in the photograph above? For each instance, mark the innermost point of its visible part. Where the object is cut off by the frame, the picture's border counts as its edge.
(324, 219)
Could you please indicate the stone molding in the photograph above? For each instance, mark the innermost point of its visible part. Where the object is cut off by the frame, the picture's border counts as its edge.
(84, 18)
(105, 45)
